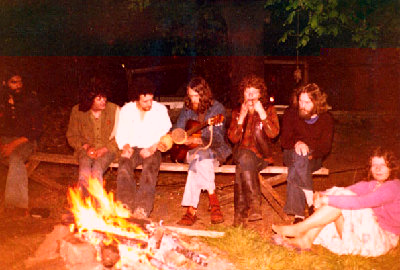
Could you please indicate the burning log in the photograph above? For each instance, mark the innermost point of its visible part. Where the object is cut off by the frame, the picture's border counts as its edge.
(120, 239)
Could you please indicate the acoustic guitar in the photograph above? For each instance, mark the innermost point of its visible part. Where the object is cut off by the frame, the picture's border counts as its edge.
(193, 128)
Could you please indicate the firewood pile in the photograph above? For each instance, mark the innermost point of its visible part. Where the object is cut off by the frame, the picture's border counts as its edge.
(164, 249)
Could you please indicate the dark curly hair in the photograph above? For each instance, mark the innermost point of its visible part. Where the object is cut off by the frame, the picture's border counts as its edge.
(391, 162)
(315, 94)
(257, 83)
(200, 86)
(141, 86)
(93, 89)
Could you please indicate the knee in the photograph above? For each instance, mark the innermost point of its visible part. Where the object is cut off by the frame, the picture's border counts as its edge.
(16, 160)
(245, 160)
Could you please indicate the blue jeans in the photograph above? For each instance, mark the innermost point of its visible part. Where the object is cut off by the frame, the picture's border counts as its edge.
(299, 177)
(126, 183)
(16, 192)
(92, 167)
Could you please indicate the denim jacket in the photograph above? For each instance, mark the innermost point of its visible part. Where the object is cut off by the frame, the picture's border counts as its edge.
(219, 143)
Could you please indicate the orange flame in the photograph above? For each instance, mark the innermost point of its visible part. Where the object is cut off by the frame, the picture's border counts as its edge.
(99, 212)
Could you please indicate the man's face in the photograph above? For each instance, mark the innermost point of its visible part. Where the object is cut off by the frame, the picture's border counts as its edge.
(99, 103)
(145, 102)
(15, 83)
(194, 98)
(306, 106)
(251, 96)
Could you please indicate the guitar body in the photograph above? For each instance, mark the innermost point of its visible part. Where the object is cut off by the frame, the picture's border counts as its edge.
(178, 151)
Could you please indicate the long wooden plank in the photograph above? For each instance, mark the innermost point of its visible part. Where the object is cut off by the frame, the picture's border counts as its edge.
(165, 166)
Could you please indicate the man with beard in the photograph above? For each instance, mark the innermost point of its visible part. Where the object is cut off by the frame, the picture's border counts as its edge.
(252, 126)
(20, 128)
(212, 150)
(142, 123)
(306, 139)
(91, 132)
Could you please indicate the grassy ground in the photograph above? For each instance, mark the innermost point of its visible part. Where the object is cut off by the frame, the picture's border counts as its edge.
(249, 250)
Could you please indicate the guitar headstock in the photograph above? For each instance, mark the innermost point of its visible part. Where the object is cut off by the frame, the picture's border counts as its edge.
(216, 120)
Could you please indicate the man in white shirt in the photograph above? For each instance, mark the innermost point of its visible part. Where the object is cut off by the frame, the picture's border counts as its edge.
(142, 122)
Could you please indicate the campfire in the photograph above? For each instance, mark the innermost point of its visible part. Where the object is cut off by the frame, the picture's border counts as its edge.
(122, 242)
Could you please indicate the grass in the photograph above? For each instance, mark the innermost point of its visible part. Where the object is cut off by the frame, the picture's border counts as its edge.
(248, 250)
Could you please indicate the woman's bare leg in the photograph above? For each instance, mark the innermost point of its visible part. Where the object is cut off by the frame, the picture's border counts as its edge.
(323, 216)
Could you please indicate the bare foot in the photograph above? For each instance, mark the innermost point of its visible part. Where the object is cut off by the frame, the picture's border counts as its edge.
(283, 230)
(299, 243)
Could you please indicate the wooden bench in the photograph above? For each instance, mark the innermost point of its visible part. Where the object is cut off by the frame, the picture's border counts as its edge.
(267, 184)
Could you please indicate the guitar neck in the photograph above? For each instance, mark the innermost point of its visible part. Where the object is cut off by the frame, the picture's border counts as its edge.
(196, 128)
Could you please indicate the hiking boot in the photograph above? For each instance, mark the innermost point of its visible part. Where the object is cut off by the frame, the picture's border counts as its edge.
(255, 212)
(216, 214)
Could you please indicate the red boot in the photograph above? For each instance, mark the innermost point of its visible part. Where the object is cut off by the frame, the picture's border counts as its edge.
(216, 214)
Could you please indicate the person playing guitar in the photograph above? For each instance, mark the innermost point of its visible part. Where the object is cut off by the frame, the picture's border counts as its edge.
(205, 150)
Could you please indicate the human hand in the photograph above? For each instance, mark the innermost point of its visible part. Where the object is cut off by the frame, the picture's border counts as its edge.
(301, 148)
(91, 152)
(127, 151)
(259, 108)
(147, 152)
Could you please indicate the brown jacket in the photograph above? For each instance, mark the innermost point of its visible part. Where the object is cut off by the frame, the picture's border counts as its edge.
(81, 129)
(244, 134)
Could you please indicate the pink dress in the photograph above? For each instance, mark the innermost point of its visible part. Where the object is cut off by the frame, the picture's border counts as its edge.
(361, 234)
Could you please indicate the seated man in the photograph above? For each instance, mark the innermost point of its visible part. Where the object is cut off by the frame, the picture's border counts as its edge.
(307, 132)
(91, 132)
(251, 127)
(210, 151)
(141, 125)
(20, 128)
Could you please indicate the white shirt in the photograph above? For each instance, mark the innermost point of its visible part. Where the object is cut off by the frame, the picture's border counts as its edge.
(142, 133)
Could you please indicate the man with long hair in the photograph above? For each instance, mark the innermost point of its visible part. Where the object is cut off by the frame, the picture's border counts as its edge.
(141, 125)
(91, 132)
(212, 150)
(20, 128)
(306, 138)
(252, 126)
